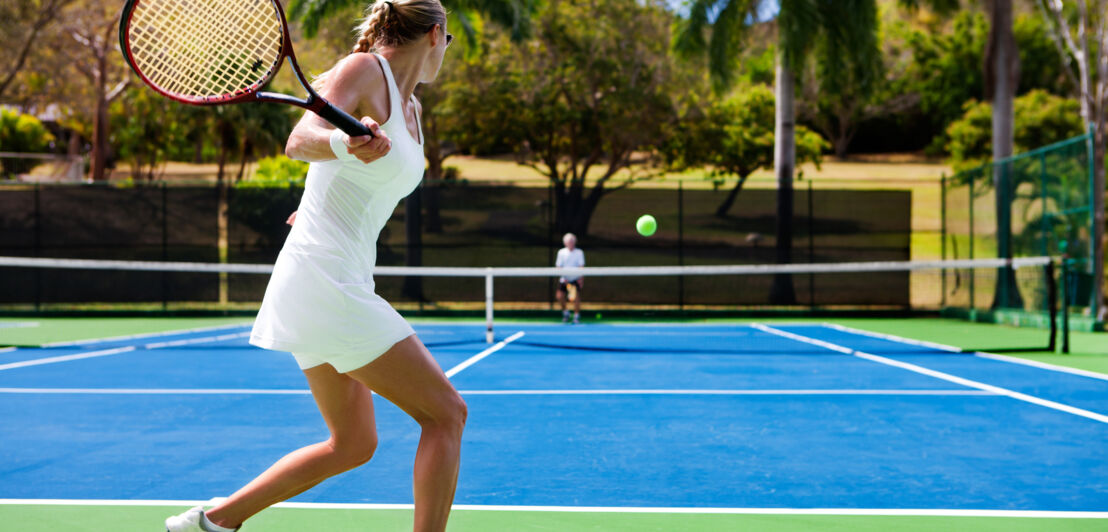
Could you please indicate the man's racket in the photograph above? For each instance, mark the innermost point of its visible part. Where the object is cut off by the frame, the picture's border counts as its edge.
(211, 52)
(571, 291)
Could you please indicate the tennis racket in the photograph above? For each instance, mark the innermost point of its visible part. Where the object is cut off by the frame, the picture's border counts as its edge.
(212, 52)
(571, 291)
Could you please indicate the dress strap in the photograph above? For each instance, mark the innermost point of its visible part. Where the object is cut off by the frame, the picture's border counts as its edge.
(394, 91)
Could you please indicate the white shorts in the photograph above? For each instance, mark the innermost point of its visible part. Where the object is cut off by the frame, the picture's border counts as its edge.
(343, 363)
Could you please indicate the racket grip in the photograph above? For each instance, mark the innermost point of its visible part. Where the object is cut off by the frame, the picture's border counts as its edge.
(340, 119)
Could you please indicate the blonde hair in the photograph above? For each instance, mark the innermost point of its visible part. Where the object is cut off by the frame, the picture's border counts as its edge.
(397, 22)
(392, 23)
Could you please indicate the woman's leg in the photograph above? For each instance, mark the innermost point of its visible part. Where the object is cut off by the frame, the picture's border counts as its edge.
(347, 407)
(408, 376)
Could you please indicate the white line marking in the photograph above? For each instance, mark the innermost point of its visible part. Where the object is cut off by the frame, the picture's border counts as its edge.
(940, 375)
(248, 391)
(191, 341)
(147, 335)
(6, 349)
(477, 358)
(1044, 365)
(118, 350)
(155, 391)
(982, 354)
(941, 512)
(724, 392)
(18, 324)
(67, 358)
(894, 338)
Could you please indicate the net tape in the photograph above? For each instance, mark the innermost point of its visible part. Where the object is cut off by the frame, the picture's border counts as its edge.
(602, 271)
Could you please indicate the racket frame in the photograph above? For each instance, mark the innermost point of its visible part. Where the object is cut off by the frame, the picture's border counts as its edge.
(314, 102)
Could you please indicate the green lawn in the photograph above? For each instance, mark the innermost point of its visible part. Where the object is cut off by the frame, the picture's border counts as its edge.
(51, 518)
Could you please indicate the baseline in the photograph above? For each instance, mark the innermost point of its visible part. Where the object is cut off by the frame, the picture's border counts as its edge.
(254, 391)
(597, 509)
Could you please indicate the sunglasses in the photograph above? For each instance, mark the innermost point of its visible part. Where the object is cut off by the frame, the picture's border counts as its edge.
(449, 36)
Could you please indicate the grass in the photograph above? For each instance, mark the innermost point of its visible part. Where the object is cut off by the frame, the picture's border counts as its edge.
(49, 518)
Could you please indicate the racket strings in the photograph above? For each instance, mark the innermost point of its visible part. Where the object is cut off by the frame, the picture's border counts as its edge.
(202, 49)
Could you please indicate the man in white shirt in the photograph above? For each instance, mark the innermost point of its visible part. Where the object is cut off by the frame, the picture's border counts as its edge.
(570, 285)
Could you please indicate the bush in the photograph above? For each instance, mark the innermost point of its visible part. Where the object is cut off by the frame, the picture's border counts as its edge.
(276, 171)
(1041, 119)
(21, 133)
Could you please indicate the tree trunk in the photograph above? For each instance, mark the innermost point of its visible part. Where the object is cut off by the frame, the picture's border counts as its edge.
(1099, 238)
(1002, 69)
(721, 212)
(246, 149)
(100, 124)
(784, 163)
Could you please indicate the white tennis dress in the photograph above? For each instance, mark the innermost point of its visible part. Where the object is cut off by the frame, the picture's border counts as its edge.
(320, 303)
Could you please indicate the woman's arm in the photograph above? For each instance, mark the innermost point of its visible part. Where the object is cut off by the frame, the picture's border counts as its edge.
(349, 86)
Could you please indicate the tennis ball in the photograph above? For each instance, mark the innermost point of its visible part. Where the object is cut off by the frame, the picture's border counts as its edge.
(646, 225)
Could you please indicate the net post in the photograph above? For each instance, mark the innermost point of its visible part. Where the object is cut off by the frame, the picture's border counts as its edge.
(488, 306)
(1065, 300)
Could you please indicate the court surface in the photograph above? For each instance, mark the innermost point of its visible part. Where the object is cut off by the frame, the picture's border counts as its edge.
(587, 427)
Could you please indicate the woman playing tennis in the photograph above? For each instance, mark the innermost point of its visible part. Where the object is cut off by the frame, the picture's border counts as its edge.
(320, 303)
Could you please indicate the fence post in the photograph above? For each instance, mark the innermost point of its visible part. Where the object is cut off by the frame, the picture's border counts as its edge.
(942, 235)
(811, 248)
(165, 246)
(488, 306)
(38, 248)
(681, 242)
(972, 271)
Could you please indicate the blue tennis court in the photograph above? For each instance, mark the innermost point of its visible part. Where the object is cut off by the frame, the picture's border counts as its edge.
(637, 416)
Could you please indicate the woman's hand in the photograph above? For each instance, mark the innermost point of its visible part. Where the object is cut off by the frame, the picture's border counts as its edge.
(369, 148)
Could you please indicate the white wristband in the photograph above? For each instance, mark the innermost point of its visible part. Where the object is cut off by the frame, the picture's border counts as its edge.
(338, 145)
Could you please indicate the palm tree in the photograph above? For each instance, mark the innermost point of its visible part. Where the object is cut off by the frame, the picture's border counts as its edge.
(1002, 74)
(844, 35)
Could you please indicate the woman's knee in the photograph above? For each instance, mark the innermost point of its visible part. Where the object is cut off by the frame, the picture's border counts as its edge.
(353, 451)
(449, 413)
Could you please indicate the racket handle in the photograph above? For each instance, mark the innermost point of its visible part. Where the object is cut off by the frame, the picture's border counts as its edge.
(340, 119)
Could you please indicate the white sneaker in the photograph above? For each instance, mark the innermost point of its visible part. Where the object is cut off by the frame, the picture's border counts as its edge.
(186, 522)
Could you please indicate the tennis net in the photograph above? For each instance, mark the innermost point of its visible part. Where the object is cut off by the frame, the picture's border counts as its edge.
(956, 288)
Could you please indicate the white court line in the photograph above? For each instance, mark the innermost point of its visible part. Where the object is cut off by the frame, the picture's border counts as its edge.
(67, 358)
(894, 338)
(146, 335)
(1043, 365)
(154, 391)
(982, 354)
(116, 351)
(477, 358)
(18, 324)
(724, 392)
(250, 391)
(939, 375)
(939, 512)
